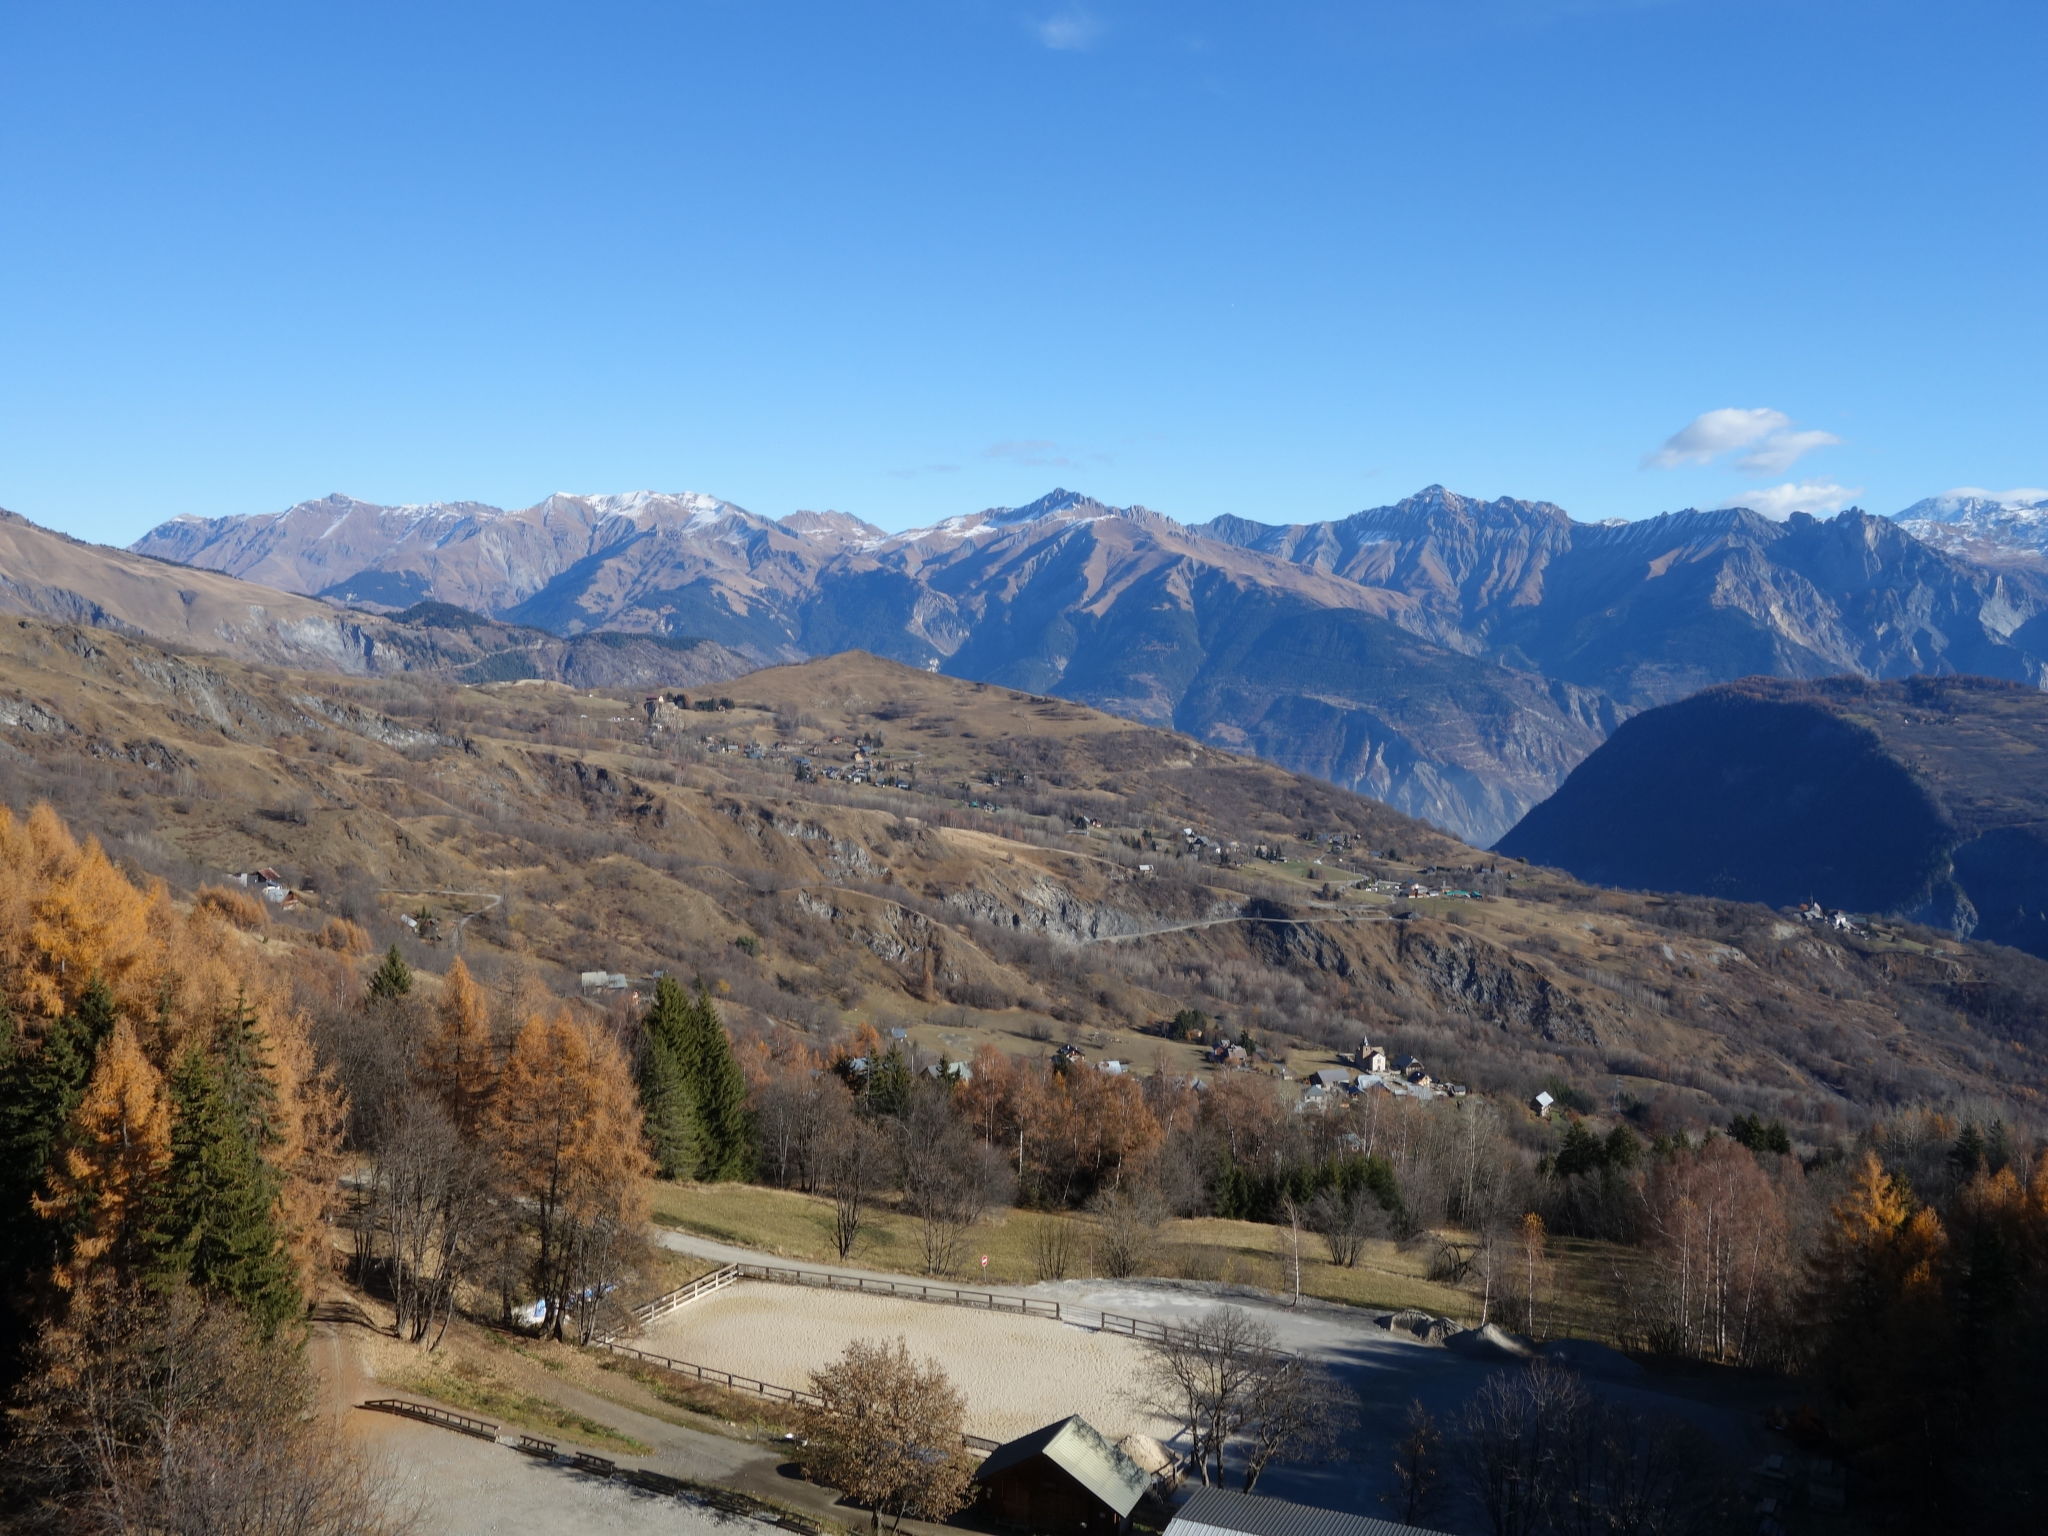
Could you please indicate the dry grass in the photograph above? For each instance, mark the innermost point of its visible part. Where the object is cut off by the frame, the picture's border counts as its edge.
(475, 1389)
(796, 1226)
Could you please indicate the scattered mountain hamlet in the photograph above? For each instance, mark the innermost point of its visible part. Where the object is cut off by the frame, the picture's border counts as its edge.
(853, 838)
(1453, 657)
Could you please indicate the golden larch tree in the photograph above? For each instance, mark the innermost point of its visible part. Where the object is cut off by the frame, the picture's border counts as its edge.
(565, 1122)
(460, 1063)
(111, 1156)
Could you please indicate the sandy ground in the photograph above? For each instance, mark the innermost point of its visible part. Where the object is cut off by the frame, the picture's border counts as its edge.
(1017, 1373)
(1382, 1372)
(465, 1487)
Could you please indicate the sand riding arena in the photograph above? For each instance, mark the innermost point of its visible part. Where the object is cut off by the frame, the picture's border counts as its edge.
(1017, 1369)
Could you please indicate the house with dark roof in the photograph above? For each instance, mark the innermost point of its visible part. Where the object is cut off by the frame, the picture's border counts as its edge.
(1226, 1512)
(1064, 1477)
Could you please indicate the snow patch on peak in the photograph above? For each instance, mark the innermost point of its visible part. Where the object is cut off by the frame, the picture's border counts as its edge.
(1968, 503)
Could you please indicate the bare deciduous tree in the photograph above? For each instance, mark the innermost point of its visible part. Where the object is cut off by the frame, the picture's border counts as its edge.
(1419, 1469)
(854, 1165)
(950, 1180)
(1227, 1380)
(1541, 1456)
(1052, 1248)
(1346, 1220)
(430, 1202)
(161, 1412)
(1127, 1228)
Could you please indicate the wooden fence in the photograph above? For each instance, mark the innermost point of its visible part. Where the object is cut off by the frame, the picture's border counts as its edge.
(954, 1296)
(683, 1295)
(734, 1383)
(447, 1418)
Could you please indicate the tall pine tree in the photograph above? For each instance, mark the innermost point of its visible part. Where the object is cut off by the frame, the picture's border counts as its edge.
(724, 1128)
(41, 1084)
(667, 1095)
(218, 1213)
(692, 1090)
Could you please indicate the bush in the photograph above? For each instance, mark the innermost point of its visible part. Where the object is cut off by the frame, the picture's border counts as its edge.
(237, 908)
(343, 937)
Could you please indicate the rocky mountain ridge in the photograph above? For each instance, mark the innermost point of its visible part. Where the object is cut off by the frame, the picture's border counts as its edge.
(47, 575)
(1454, 656)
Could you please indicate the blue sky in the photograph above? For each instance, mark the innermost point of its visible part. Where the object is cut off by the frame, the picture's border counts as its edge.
(909, 258)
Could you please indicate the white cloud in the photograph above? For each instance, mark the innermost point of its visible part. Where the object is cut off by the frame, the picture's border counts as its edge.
(1070, 31)
(1773, 445)
(1781, 450)
(1781, 501)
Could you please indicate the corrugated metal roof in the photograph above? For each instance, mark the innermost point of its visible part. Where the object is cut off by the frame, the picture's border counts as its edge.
(1077, 1448)
(1226, 1512)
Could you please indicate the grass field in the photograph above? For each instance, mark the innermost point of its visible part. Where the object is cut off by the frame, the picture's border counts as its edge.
(796, 1226)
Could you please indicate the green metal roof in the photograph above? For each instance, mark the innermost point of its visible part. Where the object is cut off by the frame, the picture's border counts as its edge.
(1077, 1448)
(1226, 1512)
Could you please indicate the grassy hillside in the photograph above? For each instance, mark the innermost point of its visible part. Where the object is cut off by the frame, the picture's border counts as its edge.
(1003, 897)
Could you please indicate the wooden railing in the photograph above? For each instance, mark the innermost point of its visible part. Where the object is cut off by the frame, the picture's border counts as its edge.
(447, 1418)
(736, 1383)
(954, 1296)
(707, 1373)
(683, 1295)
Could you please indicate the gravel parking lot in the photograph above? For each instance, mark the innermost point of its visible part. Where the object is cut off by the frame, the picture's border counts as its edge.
(1016, 1373)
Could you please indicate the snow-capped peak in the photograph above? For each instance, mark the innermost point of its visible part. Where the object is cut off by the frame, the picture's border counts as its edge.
(1971, 503)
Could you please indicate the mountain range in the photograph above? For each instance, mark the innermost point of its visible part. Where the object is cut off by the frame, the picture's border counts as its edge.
(1452, 656)
(47, 575)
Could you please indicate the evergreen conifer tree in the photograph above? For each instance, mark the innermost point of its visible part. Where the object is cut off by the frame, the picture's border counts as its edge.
(392, 979)
(667, 1095)
(724, 1129)
(41, 1085)
(888, 1090)
(245, 1071)
(218, 1207)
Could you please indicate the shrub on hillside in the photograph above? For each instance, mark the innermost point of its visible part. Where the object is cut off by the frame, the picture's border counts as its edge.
(236, 907)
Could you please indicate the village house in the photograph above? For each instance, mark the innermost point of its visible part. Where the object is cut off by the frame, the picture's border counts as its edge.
(1541, 1104)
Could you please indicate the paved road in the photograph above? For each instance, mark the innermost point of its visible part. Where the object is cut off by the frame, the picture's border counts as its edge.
(1240, 917)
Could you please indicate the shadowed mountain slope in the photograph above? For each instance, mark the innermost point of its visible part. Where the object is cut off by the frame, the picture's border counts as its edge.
(1925, 799)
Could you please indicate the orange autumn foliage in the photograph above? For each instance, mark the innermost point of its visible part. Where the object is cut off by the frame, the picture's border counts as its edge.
(69, 915)
(117, 1144)
(460, 1063)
